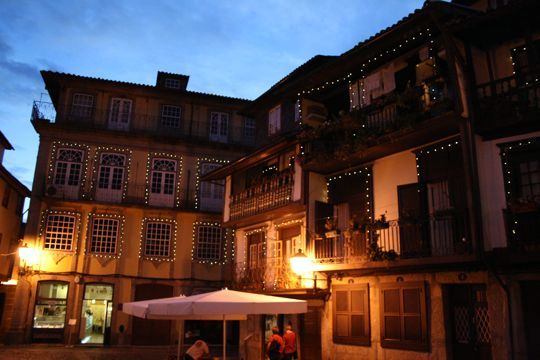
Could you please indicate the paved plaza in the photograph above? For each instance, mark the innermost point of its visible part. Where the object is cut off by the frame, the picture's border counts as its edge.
(56, 352)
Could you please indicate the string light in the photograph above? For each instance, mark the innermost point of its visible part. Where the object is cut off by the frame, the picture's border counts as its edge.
(53, 158)
(366, 171)
(76, 233)
(287, 223)
(194, 239)
(99, 151)
(149, 168)
(120, 234)
(172, 243)
(426, 151)
(200, 161)
(506, 152)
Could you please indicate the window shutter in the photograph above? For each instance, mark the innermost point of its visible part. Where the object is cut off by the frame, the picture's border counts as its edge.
(351, 315)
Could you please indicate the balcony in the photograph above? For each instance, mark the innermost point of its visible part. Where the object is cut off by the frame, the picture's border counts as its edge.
(135, 196)
(508, 105)
(274, 275)
(138, 123)
(439, 236)
(415, 115)
(269, 194)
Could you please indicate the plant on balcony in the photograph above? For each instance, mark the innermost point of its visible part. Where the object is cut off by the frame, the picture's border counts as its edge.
(330, 227)
(375, 252)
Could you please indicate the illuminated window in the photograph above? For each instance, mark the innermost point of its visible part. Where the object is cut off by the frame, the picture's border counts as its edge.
(104, 235)
(59, 232)
(209, 240)
(51, 305)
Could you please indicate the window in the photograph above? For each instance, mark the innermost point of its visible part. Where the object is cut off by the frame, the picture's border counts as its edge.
(110, 177)
(51, 305)
(82, 105)
(68, 167)
(59, 232)
(209, 242)
(170, 116)
(249, 129)
(274, 120)
(158, 237)
(5, 198)
(256, 250)
(275, 253)
(351, 314)
(104, 235)
(219, 126)
(172, 83)
(211, 191)
(120, 114)
(403, 316)
(162, 182)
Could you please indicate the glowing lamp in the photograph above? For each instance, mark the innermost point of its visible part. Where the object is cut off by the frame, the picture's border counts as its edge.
(300, 263)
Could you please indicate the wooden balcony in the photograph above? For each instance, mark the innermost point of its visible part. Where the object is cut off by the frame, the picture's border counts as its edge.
(440, 236)
(269, 194)
(508, 106)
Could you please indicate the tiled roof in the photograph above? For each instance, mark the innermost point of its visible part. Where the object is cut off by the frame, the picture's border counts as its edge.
(117, 82)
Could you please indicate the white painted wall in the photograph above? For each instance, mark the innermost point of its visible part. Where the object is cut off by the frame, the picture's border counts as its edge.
(492, 192)
(388, 173)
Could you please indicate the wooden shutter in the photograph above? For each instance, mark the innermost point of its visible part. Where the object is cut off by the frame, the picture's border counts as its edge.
(351, 314)
(403, 316)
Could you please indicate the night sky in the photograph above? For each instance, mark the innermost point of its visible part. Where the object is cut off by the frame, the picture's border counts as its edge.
(236, 48)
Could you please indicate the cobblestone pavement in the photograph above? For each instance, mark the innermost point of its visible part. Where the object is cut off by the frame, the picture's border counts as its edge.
(57, 352)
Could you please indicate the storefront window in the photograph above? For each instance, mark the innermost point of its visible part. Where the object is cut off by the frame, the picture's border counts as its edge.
(50, 310)
(96, 314)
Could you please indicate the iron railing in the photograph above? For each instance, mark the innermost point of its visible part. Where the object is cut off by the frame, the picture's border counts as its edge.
(138, 122)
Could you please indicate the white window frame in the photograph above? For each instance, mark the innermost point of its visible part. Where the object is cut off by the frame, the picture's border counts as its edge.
(274, 120)
(110, 177)
(219, 126)
(275, 249)
(104, 235)
(68, 170)
(209, 243)
(120, 113)
(82, 105)
(172, 83)
(162, 185)
(59, 232)
(158, 239)
(211, 193)
(171, 116)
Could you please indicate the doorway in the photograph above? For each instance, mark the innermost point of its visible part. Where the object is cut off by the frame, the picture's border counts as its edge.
(96, 314)
(467, 322)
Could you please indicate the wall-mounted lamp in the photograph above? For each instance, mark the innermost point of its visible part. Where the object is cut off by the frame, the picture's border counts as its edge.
(27, 256)
(301, 265)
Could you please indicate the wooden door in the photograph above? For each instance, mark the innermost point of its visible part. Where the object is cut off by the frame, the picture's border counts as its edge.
(467, 322)
(310, 335)
(151, 332)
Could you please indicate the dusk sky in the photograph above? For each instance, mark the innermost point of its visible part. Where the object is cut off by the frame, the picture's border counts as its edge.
(235, 48)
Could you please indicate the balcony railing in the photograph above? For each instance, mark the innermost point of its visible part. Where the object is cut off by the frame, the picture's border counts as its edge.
(141, 123)
(269, 194)
(438, 236)
(273, 275)
(135, 195)
(507, 102)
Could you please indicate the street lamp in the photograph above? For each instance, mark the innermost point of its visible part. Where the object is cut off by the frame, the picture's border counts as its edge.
(301, 265)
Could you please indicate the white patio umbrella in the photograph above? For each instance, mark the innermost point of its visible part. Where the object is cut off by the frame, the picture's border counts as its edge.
(216, 305)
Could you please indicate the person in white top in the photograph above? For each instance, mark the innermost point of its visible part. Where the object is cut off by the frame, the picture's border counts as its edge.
(197, 350)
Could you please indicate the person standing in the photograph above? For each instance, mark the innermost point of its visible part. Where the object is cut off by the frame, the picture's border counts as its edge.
(274, 348)
(289, 339)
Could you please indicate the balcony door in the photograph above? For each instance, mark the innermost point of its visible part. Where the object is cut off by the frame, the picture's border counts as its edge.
(211, 192)
(110, 177)
(162, 182)
(120, 114)
(219, 126)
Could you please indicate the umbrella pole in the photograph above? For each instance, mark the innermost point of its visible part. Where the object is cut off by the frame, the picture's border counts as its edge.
(180, 338)
(224, 338)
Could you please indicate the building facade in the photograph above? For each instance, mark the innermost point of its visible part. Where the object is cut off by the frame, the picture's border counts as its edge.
(13, 194)
(118, 212)
(406, 170)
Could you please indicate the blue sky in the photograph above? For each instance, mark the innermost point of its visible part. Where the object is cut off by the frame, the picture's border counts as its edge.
(230, 47)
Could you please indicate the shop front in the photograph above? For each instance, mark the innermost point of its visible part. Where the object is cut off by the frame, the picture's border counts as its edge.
(49, 320)
(96, 314)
